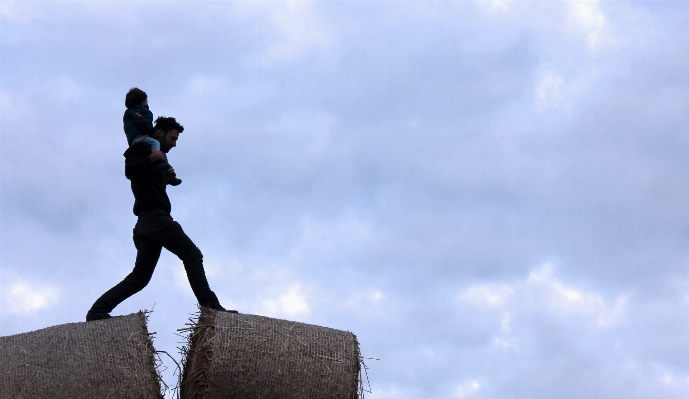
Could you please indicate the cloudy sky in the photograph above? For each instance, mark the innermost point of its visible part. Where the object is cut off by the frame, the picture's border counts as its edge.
(493, 195)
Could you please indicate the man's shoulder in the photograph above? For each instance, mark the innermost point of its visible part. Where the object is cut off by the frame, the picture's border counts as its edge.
(138, 150)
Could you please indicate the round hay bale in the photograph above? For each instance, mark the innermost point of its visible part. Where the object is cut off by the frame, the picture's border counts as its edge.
(100, 359)
(232, 355)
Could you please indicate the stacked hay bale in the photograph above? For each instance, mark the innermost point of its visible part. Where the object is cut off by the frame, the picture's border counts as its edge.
(232, 355)
(101, 359)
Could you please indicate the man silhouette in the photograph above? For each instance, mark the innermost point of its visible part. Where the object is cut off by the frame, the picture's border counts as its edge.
(155, 228)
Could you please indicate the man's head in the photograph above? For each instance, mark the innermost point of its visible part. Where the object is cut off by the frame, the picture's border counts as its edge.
(135, 96)
(166, 130)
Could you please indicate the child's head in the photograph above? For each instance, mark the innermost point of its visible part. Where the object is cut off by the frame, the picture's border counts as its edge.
(135, 96)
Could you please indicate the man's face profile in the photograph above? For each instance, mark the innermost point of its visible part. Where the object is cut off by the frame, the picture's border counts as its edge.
(169, 140)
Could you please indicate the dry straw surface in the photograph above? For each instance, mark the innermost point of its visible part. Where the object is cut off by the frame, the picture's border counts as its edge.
(245, 356)
(100, 359)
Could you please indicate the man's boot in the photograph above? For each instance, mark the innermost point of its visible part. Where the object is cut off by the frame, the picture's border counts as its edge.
(93, 315)
(219, 308)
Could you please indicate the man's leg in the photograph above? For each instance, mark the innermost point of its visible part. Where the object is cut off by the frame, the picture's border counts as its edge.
(170, 235)
(148, 252)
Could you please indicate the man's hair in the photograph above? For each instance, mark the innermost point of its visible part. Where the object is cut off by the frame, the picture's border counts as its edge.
(135, 96)
(167, 123)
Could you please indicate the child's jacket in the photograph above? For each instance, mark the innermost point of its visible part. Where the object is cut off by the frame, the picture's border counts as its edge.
(137, 120)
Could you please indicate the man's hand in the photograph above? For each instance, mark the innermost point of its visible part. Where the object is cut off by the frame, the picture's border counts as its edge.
(171, 170)
(156, 155)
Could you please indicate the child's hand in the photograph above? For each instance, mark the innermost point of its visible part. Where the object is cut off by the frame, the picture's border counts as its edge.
(156, 155)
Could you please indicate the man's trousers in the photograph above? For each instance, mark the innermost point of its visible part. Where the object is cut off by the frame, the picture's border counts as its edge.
(154, 231)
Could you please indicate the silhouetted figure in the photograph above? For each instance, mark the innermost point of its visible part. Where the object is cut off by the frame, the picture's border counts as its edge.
(155, 228)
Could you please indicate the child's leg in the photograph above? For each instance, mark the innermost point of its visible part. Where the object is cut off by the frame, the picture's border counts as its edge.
(160, 165)
(146, 138)
(171, 178)
(155, 144)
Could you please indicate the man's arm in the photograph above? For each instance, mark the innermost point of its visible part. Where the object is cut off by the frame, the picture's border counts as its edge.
(139, 161)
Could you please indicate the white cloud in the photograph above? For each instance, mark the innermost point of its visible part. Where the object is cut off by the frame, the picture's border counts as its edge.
(495, 5)
(291, 303)
(365, 303)
(669, 379)
(550, 91)
(581, 21)
(487, 294)
(561, 299)
(377, 295)
(21, 296)
(589, 20)
(543, 292)
(553, 91)
(467, 389)
(19, 10)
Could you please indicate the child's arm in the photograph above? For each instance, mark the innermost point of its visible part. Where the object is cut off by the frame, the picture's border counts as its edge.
(142, 119)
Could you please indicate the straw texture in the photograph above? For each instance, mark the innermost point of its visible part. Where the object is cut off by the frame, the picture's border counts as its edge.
(101, 359)
(246, 356)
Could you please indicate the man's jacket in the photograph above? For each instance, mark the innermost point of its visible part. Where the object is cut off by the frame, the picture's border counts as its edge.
(137, 120)
(148, 187)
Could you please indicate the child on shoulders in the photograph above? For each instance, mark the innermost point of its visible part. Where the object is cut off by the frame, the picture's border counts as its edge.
(138, 123)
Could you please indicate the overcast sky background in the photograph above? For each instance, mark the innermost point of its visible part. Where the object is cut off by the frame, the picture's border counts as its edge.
(493, 195)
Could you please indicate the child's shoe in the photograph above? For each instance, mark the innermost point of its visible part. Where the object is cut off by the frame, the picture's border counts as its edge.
(171, 179)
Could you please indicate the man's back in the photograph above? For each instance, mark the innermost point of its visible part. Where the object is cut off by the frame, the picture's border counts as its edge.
(148, 187)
